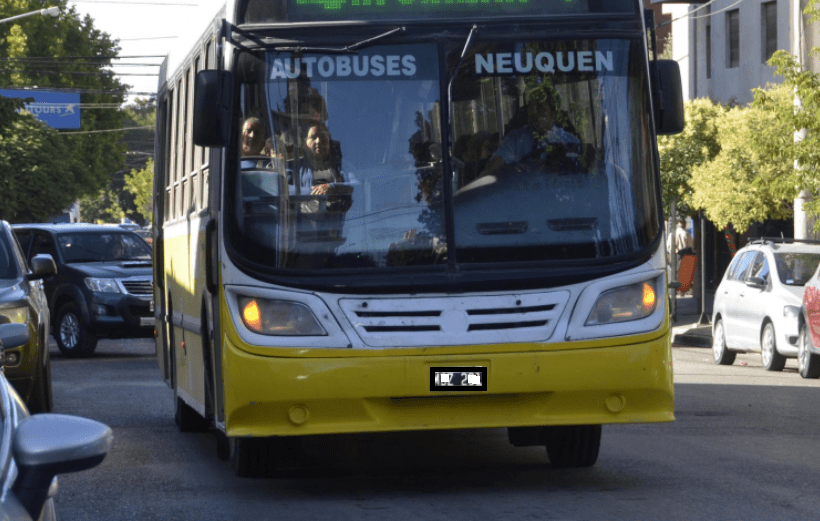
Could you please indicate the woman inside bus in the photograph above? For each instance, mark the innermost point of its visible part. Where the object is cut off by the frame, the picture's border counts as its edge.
(319, 172)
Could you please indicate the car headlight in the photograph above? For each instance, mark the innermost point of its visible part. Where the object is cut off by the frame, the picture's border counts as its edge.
(623, 304)
(102, 285)
(791, 311)
(14, 315)
(279, 317)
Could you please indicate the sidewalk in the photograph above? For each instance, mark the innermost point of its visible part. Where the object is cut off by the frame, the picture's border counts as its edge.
(687, 329)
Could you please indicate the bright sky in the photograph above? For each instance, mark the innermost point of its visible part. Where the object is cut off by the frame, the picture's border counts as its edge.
(146, 28)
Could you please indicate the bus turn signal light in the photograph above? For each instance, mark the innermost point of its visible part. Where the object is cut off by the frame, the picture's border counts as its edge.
(279, 317)
(250, 314)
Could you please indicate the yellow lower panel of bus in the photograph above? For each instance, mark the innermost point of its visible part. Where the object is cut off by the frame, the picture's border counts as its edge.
(267, 396)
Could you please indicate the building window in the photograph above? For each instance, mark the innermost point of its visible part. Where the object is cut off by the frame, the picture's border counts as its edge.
(768, 19)
(708, 43)
(733, 39)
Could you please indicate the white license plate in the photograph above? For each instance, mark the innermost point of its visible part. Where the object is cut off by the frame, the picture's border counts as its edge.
(458, 378)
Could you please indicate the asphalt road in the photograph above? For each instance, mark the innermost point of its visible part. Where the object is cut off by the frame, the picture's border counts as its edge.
(745, 446)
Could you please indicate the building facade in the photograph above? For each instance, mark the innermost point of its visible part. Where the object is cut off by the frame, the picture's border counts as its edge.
(723, 45)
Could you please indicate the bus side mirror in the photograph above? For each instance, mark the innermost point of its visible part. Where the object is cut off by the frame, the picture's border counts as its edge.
(668, 94)
(213, 92)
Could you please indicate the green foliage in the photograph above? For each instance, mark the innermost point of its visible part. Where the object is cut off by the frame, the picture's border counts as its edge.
(740, 185)
(805, 115)
(681, 153)
(38, 176)
(141, 184)
(100, 154)
(101, 208)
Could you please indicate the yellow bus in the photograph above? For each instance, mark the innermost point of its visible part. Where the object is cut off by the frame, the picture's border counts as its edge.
(397, 215)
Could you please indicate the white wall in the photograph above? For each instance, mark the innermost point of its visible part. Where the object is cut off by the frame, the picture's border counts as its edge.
(726, 84)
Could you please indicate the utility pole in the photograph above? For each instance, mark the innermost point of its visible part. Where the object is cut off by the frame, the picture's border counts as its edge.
(801, 220)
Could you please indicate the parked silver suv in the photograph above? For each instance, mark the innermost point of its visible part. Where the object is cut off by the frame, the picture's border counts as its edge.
(757, 304)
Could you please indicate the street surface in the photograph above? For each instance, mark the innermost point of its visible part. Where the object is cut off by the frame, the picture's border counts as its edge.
(745, 446)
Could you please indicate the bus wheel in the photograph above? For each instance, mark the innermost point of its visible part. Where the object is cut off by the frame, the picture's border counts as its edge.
(252, 457)
(573, 445)
(263, 457)
(187, 419)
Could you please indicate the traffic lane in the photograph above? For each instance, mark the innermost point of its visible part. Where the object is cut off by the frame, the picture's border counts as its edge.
(696, 365)
(725, 458)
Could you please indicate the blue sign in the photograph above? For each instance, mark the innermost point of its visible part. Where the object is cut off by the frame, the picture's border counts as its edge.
(55, 109)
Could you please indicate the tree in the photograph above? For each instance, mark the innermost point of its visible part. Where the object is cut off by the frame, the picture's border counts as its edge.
(78, 55)
(141, 184)
(102, 207)
(681, 153)
(741, 185)
(805, 85)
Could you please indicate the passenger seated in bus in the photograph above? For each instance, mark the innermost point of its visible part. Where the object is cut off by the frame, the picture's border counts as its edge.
(532, 141)
(319, 172)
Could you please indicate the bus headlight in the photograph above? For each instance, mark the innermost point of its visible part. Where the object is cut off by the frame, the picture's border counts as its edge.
(279, 317)
(623, 304)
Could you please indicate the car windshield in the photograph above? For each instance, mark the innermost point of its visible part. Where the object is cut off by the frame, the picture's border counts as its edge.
(102, 247)
(341, 162)
(795, 269)
(8, 268)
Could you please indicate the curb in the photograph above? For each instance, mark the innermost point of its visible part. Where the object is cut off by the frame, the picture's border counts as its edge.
(689, 340)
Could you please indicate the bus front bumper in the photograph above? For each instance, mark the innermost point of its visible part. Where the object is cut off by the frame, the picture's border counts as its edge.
(274, 396)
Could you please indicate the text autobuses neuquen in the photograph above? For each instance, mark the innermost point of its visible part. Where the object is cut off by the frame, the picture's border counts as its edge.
(397, 65)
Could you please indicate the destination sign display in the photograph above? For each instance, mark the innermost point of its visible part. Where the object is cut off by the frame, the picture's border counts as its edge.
(262, 11)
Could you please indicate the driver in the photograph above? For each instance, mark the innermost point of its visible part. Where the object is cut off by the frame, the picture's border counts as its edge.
(542, 130)
(253, 137)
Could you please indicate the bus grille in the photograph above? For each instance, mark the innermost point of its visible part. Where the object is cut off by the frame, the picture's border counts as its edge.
(138, 286)
(428, 321)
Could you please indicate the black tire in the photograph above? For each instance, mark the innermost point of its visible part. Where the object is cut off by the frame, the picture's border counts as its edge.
(263, 457)
(187, 419)
(252, 457)
(771, 359)
(41, 398)
(72, 335)
(722, 354)
(808, 363)
(573, 446)
(223, 446)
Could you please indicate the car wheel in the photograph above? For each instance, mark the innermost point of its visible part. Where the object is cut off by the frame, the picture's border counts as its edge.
(73, 337)
(723, 355)
(808, 363)
(573, 445)
(772, 360)
(41, 398)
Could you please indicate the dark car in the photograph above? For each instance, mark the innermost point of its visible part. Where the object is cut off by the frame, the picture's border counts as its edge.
(104, 282)
(23, 301)
(33, 449)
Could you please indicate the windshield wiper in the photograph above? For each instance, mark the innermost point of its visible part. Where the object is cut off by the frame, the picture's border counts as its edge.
(350, 49)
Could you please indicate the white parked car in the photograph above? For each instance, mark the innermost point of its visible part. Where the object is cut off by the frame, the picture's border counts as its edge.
(758, 302)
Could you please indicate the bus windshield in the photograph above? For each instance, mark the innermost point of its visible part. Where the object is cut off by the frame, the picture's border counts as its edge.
(341, 160)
